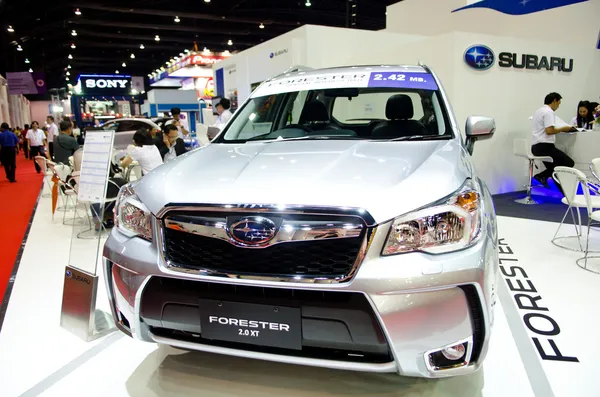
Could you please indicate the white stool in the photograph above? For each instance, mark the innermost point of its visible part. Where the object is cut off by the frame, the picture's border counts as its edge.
(522, 149)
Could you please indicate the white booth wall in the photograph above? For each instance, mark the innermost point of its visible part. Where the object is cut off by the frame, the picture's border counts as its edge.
(311, 46)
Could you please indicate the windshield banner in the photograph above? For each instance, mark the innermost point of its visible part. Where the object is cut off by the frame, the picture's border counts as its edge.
(387, 79)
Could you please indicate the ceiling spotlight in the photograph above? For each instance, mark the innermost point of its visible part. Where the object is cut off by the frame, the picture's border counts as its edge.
(206, 50)
(230, 42)
(177, 20)
(124, 64)
(70, 56)
(181, 54)
(261, 26)
(66, 78)
(19, 48)
(226, 53)
(77, 12)
(30, 70)
(307, 3)
(73, 33)
(68, 66)
(10, 29)
(73, 46)
(157, 38)
(132, 56)
(26, 60)
(187, 51)
(68, 73)
(142, 47)
(117, 71)
(207, 1)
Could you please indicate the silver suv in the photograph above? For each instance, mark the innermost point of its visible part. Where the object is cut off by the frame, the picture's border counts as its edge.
(336, 221)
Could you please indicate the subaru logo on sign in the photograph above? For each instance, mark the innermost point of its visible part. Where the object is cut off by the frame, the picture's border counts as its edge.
(69, 274)
(480, 57)
(253, 230)
(271, 55)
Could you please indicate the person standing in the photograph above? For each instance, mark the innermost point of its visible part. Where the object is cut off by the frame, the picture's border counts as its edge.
(8, 152)
(36, 141)
(179, 122)
(52, 134)
(65, 144)
(224, 113)
(24, 139)
(544, 136)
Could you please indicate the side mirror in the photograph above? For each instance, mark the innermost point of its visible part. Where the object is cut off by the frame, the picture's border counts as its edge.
(478, 127)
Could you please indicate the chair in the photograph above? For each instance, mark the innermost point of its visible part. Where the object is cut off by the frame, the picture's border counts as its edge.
(521, 148)
(573, 179)
(42, 162)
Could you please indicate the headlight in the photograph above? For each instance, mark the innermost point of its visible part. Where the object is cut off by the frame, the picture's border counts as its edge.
(449, 225)
(132, 218)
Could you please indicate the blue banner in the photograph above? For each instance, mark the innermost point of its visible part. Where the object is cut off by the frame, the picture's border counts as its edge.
(520, 7)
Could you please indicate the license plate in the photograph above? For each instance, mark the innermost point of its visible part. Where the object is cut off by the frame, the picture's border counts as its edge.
(262, 325)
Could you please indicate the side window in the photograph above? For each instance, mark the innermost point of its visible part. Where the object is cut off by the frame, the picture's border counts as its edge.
(136, 125)
(370, 106)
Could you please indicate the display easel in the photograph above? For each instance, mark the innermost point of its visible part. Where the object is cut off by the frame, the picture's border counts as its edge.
(79, 314)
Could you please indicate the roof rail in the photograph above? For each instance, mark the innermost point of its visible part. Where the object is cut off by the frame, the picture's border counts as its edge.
(294, 69)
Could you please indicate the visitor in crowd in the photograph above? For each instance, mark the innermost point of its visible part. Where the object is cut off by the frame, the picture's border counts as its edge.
(544, 136)
(65, 144)
(144, 151)
(52, 134)
(179, 122)
(224, 113)
(171, 145)
(24, 141)
(8, 151)
(36, 142)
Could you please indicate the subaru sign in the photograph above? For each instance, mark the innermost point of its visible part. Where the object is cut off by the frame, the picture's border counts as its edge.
(479, 57)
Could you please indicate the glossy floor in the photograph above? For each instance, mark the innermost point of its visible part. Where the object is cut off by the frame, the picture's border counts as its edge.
(38, 357)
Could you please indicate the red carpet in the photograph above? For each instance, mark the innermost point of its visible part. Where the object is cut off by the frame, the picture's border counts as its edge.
(17, 201)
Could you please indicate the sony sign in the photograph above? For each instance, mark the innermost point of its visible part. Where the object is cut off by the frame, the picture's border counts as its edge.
(106, 83)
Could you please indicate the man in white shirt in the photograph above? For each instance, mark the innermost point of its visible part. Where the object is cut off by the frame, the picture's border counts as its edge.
(544, 136)
(224, 112)
(52, 133)
(180, 123)
(36, 141)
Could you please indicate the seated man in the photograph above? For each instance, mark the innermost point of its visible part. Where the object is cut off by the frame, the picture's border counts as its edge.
(65, 145)
(544, 132)
(169, 144)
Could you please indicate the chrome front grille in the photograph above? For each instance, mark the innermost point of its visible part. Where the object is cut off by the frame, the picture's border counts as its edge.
(299, 247)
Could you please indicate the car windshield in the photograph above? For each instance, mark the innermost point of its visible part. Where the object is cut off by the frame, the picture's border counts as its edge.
(387, 106)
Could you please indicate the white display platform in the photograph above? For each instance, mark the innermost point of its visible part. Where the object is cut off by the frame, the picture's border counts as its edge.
(40, 358)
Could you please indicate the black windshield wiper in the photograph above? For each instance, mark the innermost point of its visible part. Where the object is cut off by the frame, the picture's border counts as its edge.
(420, 138)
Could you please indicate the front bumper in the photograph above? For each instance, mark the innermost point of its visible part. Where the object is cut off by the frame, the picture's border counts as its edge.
(420, 303)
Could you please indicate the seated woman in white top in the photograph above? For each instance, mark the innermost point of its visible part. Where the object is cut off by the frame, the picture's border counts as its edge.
(144, 152)
(584, 118)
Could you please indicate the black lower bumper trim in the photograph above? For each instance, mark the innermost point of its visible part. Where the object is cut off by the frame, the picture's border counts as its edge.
(335, 325)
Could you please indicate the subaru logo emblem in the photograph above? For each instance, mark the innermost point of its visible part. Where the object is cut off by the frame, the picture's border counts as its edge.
(271, 55)
(480, 57)
(253, 230)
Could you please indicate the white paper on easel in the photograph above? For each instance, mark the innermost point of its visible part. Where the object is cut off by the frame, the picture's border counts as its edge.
(95, 165)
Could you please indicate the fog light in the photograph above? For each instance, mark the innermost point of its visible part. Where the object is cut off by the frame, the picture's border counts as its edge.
(454, 352)
(450, 357)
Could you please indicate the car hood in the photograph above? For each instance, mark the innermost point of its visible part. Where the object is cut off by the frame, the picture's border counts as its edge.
(386, 179)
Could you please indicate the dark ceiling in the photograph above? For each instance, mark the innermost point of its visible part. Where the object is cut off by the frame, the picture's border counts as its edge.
(108, 32)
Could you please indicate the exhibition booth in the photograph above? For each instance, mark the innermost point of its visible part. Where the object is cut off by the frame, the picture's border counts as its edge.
(543, 341)
(105, 97)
